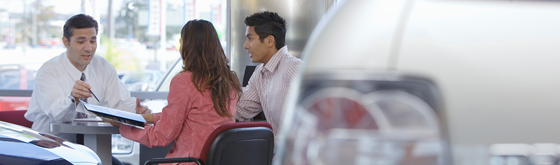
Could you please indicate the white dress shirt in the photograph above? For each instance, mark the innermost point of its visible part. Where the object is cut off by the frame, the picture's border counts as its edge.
(50, 101)
(268, 87)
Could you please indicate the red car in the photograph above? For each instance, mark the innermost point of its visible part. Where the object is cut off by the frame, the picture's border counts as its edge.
(15, 77)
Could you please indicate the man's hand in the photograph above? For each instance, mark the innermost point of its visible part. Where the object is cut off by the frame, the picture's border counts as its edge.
(81, 90)
(140, 109)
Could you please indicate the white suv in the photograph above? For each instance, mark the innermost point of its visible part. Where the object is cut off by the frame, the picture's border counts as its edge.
(428, 82)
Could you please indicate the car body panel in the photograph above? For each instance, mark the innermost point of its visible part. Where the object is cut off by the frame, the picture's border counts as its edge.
(495, 64)
(356, 52)
(25, 153)
(23, 145)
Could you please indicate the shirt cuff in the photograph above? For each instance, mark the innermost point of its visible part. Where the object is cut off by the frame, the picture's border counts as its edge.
(70, 101)
(71, 98)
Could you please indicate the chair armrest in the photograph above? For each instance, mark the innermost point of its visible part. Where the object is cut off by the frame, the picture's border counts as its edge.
(173, 160)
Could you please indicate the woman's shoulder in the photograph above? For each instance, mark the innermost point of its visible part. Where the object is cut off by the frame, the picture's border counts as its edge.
(181, 77)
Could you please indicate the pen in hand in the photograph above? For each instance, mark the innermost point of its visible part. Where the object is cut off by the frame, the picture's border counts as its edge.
(83, 78)
(94, 95)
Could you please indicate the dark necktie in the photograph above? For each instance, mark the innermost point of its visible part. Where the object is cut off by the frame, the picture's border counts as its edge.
(81, 114)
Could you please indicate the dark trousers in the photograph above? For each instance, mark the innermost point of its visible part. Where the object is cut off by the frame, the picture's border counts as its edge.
(80, 139)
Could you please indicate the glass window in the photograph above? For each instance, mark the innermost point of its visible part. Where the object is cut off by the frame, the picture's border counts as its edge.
(31, 33)
(9, 79)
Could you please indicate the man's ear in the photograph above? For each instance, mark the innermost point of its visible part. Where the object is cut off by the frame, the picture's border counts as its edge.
(65, 41)
(270, 41)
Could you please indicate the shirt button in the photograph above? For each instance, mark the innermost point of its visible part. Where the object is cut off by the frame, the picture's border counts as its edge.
(171, 151)
(266, 99)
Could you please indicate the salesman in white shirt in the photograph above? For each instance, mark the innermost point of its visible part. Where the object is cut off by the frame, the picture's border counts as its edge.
(58, 86)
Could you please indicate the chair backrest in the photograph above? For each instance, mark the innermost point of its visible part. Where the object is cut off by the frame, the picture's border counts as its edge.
(239, 143)
(248, 73)
(15, 117)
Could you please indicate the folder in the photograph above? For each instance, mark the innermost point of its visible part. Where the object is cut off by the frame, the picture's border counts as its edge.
(123, 117)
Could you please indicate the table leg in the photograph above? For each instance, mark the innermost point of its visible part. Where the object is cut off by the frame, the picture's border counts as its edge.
(100, 144)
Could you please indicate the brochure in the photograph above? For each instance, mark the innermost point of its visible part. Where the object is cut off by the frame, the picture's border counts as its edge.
(123, 117)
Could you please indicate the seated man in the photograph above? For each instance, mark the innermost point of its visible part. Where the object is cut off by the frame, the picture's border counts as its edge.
(74, 75)
(268, 86)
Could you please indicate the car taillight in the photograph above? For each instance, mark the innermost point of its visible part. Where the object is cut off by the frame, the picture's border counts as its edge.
(365, 119)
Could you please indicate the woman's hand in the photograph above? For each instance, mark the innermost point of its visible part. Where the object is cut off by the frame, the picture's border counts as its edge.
(114, 123)
(149, 118)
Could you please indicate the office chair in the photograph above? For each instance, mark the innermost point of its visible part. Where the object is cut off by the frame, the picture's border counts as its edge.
(248, 73)
(247, 143)
(15, 117)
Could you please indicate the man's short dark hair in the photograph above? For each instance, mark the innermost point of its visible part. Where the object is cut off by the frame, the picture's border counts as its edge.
(268, 23)
(79, 21)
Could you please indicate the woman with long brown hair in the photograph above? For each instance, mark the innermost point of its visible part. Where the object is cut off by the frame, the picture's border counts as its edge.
(201, 97)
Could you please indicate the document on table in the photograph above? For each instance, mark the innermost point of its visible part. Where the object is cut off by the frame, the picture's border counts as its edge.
(123, 117)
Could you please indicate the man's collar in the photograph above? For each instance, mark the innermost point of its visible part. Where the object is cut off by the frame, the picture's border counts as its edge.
(273, 62)
(71, 69)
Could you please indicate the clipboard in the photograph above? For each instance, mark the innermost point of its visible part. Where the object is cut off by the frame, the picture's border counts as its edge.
(123, 117)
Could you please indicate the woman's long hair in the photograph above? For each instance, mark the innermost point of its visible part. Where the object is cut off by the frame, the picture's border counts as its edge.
(203, 55)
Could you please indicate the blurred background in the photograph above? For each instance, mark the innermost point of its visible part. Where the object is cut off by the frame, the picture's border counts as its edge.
(31, 33)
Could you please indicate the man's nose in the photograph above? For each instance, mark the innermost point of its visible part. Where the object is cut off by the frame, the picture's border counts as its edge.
(88, 47)
(246, 46)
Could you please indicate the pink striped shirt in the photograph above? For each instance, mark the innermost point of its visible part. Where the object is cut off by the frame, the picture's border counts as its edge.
(268, 87)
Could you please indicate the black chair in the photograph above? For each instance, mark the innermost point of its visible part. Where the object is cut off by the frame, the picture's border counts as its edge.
(248, 73)
(247, 143)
